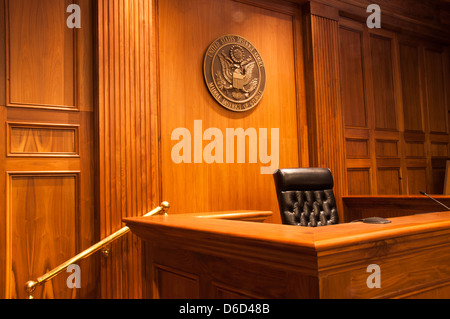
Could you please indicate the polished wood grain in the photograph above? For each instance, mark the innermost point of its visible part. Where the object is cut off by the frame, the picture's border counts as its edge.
(47, 146)
(41, 236)
(30, 83)
(295, 262)
(351, 77)
(128, 135)
(326, 130)
(394, 143)
(273, 28)
(420, 19)
(411, 93)
(384, 95)
(26, 139)
(383, 83)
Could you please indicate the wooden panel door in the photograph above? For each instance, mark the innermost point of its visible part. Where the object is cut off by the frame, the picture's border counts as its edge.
(46, 146)
(394, 96)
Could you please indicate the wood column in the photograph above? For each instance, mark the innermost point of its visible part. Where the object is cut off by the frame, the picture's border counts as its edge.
(128, 135)
(325, 126)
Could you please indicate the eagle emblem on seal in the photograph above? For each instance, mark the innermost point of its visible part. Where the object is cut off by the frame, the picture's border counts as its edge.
(234, 73)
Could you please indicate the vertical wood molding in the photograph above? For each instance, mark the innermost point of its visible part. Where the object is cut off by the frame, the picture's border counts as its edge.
(326, 135)
(127, 129)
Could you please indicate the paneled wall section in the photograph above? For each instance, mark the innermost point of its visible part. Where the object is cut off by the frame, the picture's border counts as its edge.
(47, 146)
(127, 135)
(394, 101)
(372, 105)
(186, 29)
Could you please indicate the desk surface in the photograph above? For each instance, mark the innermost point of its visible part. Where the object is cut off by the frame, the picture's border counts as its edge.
(210, 256)
(319, 238)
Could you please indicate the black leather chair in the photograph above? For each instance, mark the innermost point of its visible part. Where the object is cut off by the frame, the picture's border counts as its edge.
(305, 196)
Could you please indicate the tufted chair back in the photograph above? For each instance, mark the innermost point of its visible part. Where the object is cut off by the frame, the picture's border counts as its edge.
(305, 196)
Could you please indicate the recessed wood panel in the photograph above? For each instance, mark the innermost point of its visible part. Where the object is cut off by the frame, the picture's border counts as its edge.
(437, 110)
(229, 293)
(47, 125)
(388, 180)
(356, 148)
(405, 92)
(439, 149)
(352, 79)
(42, 227)
(41, 59)
(359, 182)
(414, 149)
(417, 179)
(386, 148)
(383, 83)
(42, 140)
(411, 87)
(173, 284)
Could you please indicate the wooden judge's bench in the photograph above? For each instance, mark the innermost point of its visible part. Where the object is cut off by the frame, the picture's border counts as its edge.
(235, 255)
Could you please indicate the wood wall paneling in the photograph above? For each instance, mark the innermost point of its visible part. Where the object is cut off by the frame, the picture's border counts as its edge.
(128, 135)
(386, 148)
(359, 181)
(436, 97)
(35, 81)
(184, 35)
(411, 87)
(26, 139)
(383, 93)
(47, 146)
(385, 109)
(353, 87)
(43, 222)
(389, 181)
(417, 177)
(326, 128)
(3, 236)
(407, 141)
(351, 77)
(357, 148)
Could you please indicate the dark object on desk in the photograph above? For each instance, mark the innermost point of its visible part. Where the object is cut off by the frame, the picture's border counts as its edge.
(373, 220)
(305, 196)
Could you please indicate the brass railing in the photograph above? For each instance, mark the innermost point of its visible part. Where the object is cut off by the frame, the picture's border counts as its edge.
(31, 285)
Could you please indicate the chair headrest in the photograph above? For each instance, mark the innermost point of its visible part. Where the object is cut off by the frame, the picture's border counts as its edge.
(303, 179)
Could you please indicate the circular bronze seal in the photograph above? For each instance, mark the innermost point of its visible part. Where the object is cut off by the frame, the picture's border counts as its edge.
(234, 73)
